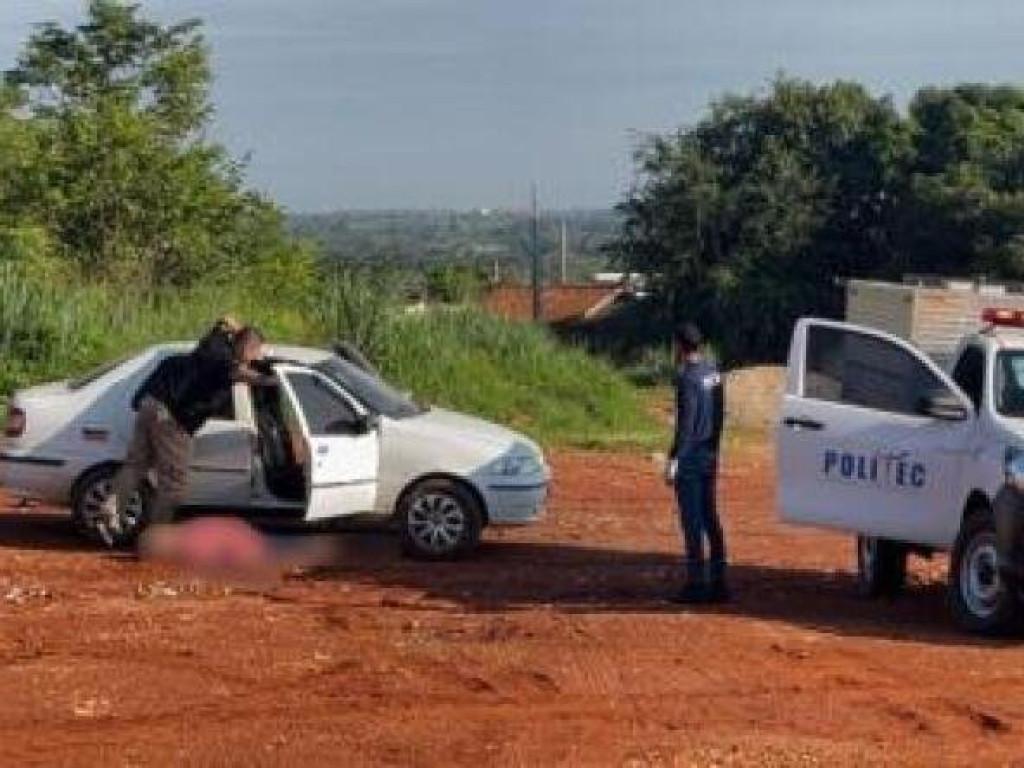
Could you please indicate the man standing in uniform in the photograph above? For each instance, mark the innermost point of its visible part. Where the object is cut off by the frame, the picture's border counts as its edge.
(173, 404)
(700, 414)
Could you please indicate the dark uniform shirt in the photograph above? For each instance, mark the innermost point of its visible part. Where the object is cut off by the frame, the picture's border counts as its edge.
(700, 409)
(193, 386)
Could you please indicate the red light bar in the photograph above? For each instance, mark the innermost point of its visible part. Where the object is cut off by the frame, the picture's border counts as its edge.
(1007, 318)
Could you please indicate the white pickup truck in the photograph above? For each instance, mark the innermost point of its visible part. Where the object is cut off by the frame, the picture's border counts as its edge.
(877, 439)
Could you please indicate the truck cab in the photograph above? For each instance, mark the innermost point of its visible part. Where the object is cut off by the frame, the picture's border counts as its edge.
(878, 439)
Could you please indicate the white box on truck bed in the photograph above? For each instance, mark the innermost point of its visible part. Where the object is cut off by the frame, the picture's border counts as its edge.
(934, 315)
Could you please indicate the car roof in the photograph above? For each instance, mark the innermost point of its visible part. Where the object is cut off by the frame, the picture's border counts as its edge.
(302, 355)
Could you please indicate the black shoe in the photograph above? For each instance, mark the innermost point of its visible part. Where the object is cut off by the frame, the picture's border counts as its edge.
(691, 594)
(718, 592)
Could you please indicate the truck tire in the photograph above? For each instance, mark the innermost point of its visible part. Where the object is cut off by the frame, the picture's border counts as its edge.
(979, 599)
(881, 566)
(91, 491)
(439, 520)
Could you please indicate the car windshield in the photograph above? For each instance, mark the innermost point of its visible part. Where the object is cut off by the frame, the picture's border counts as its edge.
(375, 394)
(1009, 383)
(88, 378)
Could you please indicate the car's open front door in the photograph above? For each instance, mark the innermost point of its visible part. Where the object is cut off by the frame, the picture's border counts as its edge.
(858, 448)
(343, 442)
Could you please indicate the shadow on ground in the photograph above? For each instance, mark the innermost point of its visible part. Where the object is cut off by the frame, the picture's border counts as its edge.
(572, 578)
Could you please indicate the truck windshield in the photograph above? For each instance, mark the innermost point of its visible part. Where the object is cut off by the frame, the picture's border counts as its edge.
(372, 392)
(1009, 383)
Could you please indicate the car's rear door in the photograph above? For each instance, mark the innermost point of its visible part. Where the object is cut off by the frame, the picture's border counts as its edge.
(855, 450)
(344, 447)
(222, 455)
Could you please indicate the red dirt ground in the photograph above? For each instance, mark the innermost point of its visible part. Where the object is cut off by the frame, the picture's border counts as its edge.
(552, 646)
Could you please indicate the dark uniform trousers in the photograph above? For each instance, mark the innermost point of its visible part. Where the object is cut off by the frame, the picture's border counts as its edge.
(696, 478)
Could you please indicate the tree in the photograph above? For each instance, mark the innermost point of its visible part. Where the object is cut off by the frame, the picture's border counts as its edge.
(966, 212)
(130, 189)
(745, 220)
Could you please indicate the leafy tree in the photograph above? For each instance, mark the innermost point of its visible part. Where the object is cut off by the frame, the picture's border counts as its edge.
(124, 181)
(745, 220)
(966, 212)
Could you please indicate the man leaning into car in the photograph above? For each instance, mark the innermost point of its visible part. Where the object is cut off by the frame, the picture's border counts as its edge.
(173, 404)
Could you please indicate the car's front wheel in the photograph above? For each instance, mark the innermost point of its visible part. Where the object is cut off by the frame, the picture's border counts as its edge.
(440, 520)
(978, 595)
(92, 498)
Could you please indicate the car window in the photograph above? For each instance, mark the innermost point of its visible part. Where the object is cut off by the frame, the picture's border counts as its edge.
(1009, 384)
(89, 377)
(326, 412)
(853, 368)
(376, 395)
(969, 374)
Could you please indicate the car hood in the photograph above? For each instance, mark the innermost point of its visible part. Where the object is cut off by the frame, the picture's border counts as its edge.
(449, 426)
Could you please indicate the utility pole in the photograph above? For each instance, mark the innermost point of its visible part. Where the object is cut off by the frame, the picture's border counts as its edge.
(535, 248)
(565, 249)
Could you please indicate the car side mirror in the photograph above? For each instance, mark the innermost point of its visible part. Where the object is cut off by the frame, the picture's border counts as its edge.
(366, 423)
(943, 405)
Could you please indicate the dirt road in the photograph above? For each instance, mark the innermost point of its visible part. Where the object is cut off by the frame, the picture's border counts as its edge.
(553, 646)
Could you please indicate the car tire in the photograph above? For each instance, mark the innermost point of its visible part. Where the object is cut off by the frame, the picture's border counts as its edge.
(439, 520)
(90, 493)
(881, 567)
(979, 598)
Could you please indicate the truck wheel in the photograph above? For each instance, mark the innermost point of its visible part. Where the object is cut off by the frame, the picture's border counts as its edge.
(978, 596)
(92, 492)
(440, 520)
(881, 566)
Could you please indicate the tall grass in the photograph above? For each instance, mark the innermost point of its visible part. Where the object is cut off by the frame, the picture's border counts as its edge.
(53, 330)
(459, 358)
(518, 374)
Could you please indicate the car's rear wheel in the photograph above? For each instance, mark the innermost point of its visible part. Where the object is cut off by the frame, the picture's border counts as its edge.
(440, 520)
(881, 566)
(92, 497)
(978, 595)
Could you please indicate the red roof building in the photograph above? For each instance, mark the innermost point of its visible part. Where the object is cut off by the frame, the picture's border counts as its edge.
(559, 303)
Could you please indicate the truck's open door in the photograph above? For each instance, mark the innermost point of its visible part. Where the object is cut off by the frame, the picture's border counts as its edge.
(343, 443)
(871, 437)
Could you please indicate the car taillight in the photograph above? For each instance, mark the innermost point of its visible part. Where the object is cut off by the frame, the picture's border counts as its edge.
(15, 425)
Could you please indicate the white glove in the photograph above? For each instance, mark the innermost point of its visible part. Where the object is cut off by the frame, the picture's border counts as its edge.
(670, 471)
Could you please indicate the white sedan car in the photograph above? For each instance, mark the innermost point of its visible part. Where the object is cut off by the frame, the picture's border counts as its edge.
(332, 441)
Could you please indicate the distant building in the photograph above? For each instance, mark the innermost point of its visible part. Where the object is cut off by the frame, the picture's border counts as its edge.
(560, 304)
(634, 279)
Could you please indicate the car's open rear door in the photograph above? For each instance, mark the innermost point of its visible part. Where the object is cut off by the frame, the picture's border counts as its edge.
(344, 446)
(222, 456)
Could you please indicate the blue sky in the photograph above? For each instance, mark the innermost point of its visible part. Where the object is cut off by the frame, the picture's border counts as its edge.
(461, 103)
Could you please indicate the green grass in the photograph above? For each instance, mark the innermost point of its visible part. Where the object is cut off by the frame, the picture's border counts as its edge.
(516, 374)
(520, 375)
